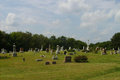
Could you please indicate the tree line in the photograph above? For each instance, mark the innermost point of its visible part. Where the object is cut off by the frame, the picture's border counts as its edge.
(113, 43)
(28, 40)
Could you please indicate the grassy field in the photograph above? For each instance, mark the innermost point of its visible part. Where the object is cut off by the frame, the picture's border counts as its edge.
(99, 67)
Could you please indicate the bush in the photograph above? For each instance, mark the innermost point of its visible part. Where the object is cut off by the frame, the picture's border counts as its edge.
(71, 50)
(80, 58)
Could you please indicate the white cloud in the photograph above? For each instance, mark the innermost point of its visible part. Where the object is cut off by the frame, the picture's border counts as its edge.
(106, 31)
(117, 17)
(73, 36)
(73, 7)
(10, 24)
(96, 16)
(68, 20)
(97, 39)
(7, 28)
(82, 39)
(89, 26)
(28, 20)
(56, 22)
(11, 19)
(48, 33)
(91, 20)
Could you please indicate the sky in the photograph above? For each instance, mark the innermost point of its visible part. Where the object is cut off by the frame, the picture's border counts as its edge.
(93, 20)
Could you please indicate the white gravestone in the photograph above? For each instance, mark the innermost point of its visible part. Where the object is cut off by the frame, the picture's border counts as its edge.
(42, 48)
(88, 45)
(57, 51)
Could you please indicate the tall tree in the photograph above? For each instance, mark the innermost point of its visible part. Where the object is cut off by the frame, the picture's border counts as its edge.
(115, 41)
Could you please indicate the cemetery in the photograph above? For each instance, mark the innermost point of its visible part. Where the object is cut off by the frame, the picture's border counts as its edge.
(46, 66)
(58, 59)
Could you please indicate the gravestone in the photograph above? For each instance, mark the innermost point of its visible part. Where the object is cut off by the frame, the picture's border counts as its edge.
(101, 49)
(39, 59)
(36, 50)
(21, 50)
(83, 48)
(78, 49)
(69, 48)
(42, 56)
(57, 51)
(31, 49)
(65, 53)
(41, 47)
(115, 52)
(52, 51)
(118, 50)
(113, 49)
(105, 48)
(67, 59)
(10, 51)
(54, 58)
(111, 52)
(3, 51)
(88, 45)
(46, 50)
(23, 59)
(61, 48)
(14, 50)
(54, 62)
(70, 53)
(104, 52)
(47, 63)
(97, 48)
(74, 52)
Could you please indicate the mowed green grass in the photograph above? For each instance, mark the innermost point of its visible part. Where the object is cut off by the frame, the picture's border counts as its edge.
(99, 67)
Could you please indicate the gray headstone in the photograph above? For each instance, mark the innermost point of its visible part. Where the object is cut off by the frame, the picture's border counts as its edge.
(39, 59)
(70, 53)
(14, 50)
(54, 62)
(47, 63)
(23, 59)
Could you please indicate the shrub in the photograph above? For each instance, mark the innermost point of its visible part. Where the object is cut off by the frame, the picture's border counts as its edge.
(71, 50)
(80, 58)
(85, 51)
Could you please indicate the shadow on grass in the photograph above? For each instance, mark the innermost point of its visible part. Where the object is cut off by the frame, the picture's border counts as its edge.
(4, 57)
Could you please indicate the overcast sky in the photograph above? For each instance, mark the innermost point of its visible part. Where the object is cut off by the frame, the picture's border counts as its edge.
(96, 20)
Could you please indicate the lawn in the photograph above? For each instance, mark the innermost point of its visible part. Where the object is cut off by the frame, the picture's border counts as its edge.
(99, 67)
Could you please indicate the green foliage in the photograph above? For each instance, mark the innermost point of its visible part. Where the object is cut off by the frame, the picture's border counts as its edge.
(102, 44)
(28, 40)
(85, 50)
(80, 58)
(71, 50)
(115, 41)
